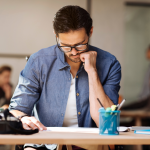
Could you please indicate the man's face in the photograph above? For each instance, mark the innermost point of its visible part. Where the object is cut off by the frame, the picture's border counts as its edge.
(73, 38)
(5, 77)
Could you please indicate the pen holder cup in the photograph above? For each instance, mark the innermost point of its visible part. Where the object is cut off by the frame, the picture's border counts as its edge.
(109, 122)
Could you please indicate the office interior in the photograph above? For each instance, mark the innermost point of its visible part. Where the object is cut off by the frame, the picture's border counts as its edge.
(121, 27)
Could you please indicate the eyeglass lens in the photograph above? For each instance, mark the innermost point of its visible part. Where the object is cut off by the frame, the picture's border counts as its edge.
(78, 47)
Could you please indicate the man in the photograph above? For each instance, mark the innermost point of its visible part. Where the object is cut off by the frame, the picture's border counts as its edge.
(64, 81)
(5, 86)
(143, 100)
(145, 92)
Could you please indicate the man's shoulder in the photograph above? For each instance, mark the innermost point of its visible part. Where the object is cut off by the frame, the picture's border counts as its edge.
(45, 53)
(105, 61)
(103, 55)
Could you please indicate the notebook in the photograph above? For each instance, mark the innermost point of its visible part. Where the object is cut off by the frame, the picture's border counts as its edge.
(142, 131)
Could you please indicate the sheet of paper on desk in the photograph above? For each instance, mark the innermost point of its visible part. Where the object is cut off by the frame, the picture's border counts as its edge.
(71, 129)
(82, 130)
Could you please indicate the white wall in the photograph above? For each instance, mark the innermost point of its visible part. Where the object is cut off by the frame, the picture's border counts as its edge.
(26, 27)
(108, 19)
(108, 22)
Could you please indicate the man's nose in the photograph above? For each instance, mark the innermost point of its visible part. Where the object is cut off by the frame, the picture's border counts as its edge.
(74, 51)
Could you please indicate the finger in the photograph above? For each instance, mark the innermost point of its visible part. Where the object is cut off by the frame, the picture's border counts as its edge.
(26, 127)
(31, 124)
(38, 124)
(82, 58)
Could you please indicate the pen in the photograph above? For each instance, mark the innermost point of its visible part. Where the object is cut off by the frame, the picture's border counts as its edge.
(117, 107)
(121, 104)
(100, 102)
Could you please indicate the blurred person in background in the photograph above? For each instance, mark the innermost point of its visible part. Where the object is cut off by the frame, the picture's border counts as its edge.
(145, 92)
(5, 86)
(143, 100)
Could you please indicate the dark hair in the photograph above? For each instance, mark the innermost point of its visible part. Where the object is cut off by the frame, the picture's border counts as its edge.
(72, 18)
(5, 68)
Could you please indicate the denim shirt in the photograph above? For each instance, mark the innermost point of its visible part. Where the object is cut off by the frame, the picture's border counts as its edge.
(45, 83)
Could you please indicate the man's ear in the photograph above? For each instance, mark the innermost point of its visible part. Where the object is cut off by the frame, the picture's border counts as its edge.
(91, 31)
(55, 33)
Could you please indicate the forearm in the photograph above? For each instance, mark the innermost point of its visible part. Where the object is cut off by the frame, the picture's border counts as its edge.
(17, 113)
(96, 91)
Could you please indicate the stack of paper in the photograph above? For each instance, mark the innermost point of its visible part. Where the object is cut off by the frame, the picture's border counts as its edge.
(71, 129)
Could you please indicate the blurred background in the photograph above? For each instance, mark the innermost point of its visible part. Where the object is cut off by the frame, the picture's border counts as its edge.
(121, 27)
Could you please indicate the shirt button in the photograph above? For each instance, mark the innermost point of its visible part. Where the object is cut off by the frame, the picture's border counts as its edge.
(62, 114)
(79, 113)
(77, 94)
(76, 76)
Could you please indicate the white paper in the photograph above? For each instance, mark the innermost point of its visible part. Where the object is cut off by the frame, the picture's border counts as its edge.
(124, 129)
(83, 130)
(72, 129)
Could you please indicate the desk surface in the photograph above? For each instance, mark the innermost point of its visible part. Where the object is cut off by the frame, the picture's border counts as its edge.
(48, 137)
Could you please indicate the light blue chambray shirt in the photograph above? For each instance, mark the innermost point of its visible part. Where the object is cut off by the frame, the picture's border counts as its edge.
(45, 82)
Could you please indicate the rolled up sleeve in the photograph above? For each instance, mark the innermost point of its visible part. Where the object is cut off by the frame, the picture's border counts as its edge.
(112, 84)
(27, 91)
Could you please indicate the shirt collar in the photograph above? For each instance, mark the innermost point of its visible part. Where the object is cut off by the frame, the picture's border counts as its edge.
(61, 59)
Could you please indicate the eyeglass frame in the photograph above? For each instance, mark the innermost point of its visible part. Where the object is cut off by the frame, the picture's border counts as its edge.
(87, 44)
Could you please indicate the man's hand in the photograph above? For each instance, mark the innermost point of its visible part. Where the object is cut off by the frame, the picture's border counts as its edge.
(32, 123)
(28, 122)
(89, 59)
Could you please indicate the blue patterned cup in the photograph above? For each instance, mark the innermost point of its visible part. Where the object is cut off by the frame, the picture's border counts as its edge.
(109, 122)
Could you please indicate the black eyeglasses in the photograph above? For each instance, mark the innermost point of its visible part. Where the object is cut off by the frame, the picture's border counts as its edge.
(80, 47)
